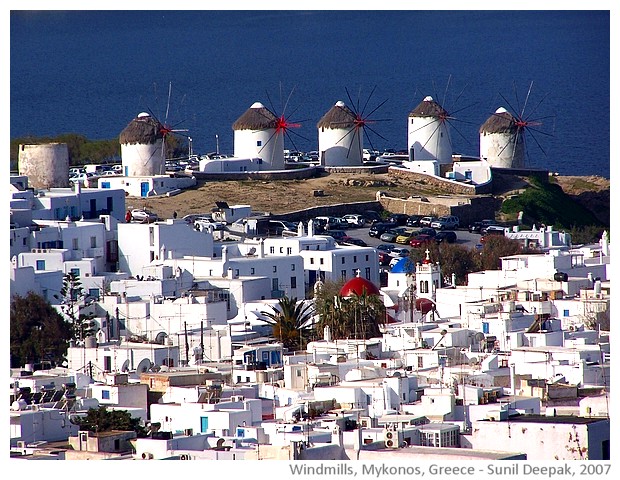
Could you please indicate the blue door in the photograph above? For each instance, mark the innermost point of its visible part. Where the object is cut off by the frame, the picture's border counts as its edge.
(144, 189)
(105, 184)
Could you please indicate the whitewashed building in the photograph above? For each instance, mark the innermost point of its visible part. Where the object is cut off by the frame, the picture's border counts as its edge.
(341, 137)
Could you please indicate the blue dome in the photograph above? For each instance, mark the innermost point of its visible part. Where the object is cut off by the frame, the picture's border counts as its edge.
(403, 266)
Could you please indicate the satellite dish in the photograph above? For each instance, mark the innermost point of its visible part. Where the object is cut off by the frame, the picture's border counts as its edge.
(479, 336)
(144, 366)
(125, 367)
(252, 251)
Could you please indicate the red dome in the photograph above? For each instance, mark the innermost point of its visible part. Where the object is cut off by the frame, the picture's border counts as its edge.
(359, 285)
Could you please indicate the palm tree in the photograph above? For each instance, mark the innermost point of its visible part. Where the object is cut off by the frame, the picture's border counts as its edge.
(356, 316)
(288, 319)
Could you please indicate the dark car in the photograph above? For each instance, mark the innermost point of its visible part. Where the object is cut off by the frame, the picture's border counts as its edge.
(431, 232)
(339, 235)
(447, 236)
(413, 220)
(477, 227)
(399, 219)
(372, 217)
(384, 258)
(356, 241)
(385, 247)
(379, 228)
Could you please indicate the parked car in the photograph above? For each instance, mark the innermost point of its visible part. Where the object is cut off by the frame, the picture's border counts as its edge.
(277, 227)
(354, 219)
(476, 227)
(420, 240)
(356, 241)
(426, 221)
(332, 223)
(384, 258)
(493, 229)
(378, 229)
(431, 232)
(207, 223)
(403, 239)
(339, 235)
(142, 215)
(448, 222)
(399, 219)
(372, 217)
(413, 220)
(400, 252)
(385, 247)
(447, 236)
(390, 235)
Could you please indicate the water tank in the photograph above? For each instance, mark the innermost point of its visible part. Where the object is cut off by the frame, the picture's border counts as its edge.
(90, 342)
(19, 405)
(46, 165)
(560, 277)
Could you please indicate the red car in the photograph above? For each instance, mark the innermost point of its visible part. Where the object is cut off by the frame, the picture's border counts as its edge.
(420, 240)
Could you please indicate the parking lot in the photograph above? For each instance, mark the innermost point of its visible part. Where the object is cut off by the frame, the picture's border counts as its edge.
(464, 237)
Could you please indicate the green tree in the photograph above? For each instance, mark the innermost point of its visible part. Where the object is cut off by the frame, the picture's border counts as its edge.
(357, 316)
(102, 420)
(289, 319)
(72, 297)
(495, 247)
(38, 331)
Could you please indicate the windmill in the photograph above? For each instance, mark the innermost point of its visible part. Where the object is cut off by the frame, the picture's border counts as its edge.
(503, 137)
(342, 130)
(260, 132)
(143, 143)
(428, 128)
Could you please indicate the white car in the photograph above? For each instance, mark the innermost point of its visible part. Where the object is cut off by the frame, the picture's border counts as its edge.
(354, 219)
(144, 216)
(205, 224)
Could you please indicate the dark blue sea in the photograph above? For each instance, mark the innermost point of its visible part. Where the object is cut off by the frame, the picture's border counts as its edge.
(91, 72)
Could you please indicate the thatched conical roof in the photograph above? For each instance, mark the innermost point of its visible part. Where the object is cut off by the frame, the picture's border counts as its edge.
(339, 116)
(428, 108)
(143, 129)
(501, 121)
(257, 117)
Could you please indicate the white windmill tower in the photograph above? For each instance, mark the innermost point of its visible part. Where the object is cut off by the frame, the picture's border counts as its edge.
(428, 136)
(503, 135)
(142, 143)
(501, 143)
(341, 133)
(260, 133)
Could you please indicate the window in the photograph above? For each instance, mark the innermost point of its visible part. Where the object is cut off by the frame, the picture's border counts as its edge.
(281, 249)
(343, 260)
(105, 394)
(75, 271)
(274, 284)
(367, 273)
(343, 274)
(40, 264)
(93, 293)
(420, 362)
(252, 271)
(236, 272)
(321, 262)
(75, 245)
(275, 268)
(204, 422)
(312, 261)
(293, 282)
(272, 249)
(259, 143)
(367, 257)
(289, 250)
(566, 313)
(292, 267)
(93, 242)
(354, 258)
